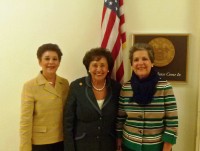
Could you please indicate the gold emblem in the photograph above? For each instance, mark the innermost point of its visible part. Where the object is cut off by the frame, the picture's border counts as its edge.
(164, 51)
(80, 83)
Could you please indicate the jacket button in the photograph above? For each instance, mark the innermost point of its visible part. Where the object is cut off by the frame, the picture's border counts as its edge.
(99, 127)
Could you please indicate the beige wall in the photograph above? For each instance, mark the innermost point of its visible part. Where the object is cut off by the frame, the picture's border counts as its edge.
(197, 27)
(175, 16)
(75, 26)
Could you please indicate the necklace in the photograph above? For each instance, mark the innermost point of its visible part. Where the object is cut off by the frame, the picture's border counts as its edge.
(100, 88)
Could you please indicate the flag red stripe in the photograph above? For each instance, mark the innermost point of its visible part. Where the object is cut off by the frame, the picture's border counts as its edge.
(108, 29)
(122, 19)
(116, 48)
(121, 2)
(103, 14)
(120, 72)
(123, 37)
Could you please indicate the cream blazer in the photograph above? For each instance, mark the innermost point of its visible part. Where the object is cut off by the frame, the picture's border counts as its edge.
(42, 112)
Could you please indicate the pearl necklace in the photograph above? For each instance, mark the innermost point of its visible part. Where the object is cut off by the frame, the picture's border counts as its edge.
(100, 88)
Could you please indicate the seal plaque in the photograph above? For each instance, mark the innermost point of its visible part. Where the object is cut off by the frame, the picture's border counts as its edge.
(164, 51)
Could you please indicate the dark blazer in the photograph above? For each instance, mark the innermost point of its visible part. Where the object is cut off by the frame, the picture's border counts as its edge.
(86, 126)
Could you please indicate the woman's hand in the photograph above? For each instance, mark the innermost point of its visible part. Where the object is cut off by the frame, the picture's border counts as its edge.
(167, 146)
(119, 144)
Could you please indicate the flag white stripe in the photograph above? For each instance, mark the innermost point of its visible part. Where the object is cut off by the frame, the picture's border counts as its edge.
(113, 35)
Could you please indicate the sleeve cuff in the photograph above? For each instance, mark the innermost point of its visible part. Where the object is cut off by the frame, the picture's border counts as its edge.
(169, 137)
(119, 134)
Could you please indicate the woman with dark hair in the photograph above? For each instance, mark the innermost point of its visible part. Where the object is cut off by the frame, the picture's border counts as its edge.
(147, 115)
(42, 103)
(91, 107)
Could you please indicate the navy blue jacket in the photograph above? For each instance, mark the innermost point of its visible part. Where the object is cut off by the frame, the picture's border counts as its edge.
(86, 126)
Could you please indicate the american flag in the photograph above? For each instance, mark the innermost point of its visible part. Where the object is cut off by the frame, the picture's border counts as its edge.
(113, 34)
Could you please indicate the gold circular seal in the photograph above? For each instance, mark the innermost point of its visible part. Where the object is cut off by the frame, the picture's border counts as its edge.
(164, 51)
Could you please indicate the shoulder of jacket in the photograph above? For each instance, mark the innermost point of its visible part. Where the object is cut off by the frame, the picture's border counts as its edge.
(63, 80)
(163, 84)
(128, 83)
(114, 82)
(78, 82)
(31, 82)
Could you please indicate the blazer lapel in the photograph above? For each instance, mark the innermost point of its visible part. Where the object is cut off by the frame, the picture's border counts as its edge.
(42, 81)
(108, 96)
(90, 95)
(50, 89)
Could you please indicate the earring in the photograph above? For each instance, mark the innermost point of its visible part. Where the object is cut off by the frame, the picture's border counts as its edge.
(108, 70)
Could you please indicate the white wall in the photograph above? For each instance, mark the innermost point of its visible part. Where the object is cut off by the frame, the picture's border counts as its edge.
(75, 26)
(197, 27)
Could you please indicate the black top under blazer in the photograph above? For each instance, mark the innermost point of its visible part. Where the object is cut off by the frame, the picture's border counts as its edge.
(86, 126)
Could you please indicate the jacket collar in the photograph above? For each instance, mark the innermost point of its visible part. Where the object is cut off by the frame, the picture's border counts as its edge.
(54, 90)
(91, 97)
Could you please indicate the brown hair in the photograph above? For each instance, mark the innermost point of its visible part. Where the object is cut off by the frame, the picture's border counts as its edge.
(139, 47)
(97, 54)
(49, 47)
